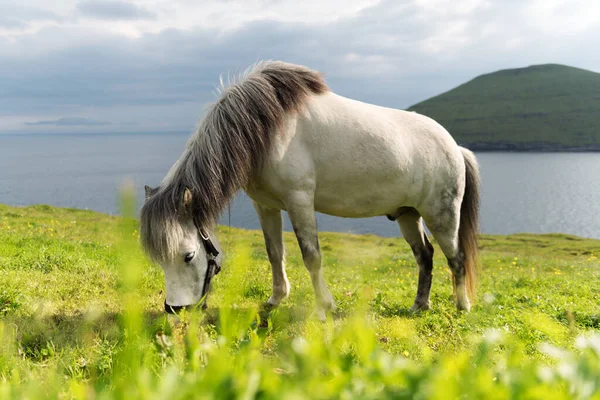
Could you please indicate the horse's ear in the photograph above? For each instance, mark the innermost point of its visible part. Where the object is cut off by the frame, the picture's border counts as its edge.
(187, 199)
(149, 191)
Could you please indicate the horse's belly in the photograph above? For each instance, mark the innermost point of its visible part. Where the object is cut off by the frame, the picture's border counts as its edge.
(360, 201)
(342, 198)
(377, 181)
(265, 198)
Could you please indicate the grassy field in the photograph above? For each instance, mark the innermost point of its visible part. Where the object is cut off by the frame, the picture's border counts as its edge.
(542, 107)
(81, 317)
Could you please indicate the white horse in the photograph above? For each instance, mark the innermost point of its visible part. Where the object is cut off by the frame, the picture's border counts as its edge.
(291, 144)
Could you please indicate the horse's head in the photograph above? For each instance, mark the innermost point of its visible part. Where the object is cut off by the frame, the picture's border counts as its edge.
(189, 255)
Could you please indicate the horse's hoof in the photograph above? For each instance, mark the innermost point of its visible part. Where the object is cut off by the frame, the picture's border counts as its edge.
(319, 315)
(280, 293)
(273, 301)
(417, 307)
(462, 302)
(331, 307)
(276, 300)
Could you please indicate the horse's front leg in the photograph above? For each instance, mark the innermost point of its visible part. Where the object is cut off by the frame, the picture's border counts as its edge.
(302, 215)
(270, 221)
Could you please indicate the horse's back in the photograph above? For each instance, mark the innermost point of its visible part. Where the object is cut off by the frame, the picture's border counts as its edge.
(375, 139)
(336, 122)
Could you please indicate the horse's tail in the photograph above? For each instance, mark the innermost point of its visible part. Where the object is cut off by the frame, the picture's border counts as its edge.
(469, 222)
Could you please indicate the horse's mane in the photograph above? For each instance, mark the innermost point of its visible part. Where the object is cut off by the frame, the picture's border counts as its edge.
(228, 147)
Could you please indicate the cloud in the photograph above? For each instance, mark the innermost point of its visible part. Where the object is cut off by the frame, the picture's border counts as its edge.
(69, 122)
(160, 73)
(11, 22)
(16, 17)
(113, 10)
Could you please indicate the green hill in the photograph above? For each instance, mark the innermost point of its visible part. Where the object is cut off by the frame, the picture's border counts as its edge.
(541, 107)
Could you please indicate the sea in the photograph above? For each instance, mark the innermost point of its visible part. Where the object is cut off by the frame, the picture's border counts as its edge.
(521, 192)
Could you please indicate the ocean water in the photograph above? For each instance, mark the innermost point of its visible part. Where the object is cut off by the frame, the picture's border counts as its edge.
(522, 192)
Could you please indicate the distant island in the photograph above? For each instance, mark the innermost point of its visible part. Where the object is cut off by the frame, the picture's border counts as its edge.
(546, 107)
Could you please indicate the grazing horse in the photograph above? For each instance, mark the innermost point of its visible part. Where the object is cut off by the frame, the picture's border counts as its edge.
(291, 144)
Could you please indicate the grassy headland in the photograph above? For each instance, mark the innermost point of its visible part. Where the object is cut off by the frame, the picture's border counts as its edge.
(81, 313)
(547, 107)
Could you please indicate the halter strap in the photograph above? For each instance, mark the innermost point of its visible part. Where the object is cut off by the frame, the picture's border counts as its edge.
(210, 248)
(212, 268)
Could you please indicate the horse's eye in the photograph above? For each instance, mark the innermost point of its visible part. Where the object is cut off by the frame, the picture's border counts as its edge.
(189, 256)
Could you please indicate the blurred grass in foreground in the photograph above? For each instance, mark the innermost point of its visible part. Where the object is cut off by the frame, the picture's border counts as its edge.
(81, 318)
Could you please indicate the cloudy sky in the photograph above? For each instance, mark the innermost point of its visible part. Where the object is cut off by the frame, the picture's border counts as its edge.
(138, 66)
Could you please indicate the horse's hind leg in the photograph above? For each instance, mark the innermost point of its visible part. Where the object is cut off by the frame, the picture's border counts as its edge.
(301, 210)
(411, 225)
(271, 223)
(444, 228)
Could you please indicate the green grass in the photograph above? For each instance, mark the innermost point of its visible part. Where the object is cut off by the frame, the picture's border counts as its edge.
(542, 107)
(81, 317)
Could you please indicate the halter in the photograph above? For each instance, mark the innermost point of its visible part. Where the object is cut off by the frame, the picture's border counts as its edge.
(212, 269)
